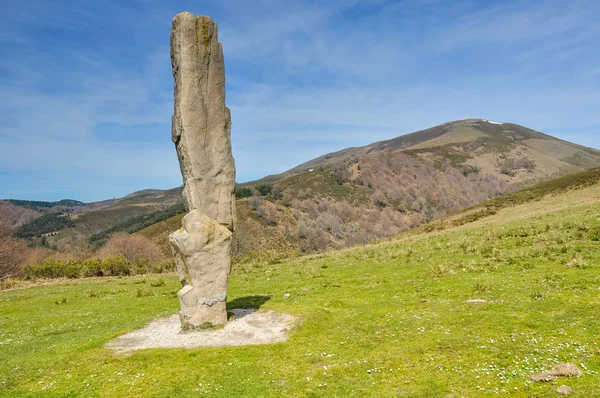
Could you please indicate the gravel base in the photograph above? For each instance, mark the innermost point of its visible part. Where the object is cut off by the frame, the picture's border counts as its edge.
(248, 328)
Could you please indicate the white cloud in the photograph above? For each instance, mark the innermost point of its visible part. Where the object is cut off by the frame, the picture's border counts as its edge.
(304, 77)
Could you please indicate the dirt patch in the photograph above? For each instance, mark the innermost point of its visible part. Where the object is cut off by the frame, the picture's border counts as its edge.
(248, 328)
(564, 370)
(565, 390)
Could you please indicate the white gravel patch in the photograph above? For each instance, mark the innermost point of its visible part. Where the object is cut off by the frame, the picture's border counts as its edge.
(249, 328)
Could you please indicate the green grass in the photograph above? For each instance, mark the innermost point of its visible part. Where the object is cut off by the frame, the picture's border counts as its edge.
(383, 320)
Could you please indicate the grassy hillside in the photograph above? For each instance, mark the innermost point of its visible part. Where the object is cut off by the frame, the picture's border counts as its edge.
(473, 139)
(136, 224)
(554, 187)
(471, 310)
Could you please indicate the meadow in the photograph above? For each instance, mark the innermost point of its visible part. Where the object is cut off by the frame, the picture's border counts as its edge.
(470, 310)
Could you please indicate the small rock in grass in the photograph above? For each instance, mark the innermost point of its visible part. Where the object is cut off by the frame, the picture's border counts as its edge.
(565, 390)
(543, 377)
(287, 295)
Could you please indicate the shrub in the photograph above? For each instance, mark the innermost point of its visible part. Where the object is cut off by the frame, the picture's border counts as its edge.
(378, 198)
(242, 192)
(160, 282)
(144, 292)
(264, 189)
(91, 267)
(537, 295)
(255, 202)
(163, 266)
(117, 265)
(481, 287)
(50, 268)
(110, 266)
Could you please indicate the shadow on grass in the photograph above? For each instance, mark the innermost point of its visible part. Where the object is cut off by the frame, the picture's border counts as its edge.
(248, 302)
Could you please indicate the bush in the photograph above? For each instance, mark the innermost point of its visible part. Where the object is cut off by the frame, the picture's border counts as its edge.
(242, 192)
(163, 266)
(264, 189)
(48, 269)
(110, 266)
(255, 202)
(117, 265)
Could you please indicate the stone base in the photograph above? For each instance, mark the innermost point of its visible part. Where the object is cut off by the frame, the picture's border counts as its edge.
(248, 328)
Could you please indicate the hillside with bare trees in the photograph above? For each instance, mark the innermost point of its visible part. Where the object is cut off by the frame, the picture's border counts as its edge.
(344, 198)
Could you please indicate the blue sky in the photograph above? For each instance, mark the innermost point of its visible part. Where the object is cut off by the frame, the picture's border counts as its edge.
(87, 87)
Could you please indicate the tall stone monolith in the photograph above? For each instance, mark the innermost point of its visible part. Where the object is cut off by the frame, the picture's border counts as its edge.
(201, 131)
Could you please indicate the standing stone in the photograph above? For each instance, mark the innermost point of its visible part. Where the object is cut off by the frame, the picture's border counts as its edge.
(201, 131)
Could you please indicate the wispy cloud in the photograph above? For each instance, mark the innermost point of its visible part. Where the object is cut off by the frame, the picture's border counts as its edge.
(87, 87)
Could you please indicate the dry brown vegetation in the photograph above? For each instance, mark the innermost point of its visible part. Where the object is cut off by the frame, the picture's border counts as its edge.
(16, 255)
(405, 192)
(134, 248)
(13, 216)
(12, 253)
(409, 184)
(361, 200)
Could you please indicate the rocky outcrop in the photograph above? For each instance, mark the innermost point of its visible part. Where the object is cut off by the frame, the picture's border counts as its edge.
(201, 131)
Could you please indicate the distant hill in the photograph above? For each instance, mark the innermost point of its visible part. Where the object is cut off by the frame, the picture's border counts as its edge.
(59, 223)
(355, 195)
(472, 142)
(32, 204)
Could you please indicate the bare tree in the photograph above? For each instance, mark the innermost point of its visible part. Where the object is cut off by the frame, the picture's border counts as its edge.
(134, 248)
(12, 253)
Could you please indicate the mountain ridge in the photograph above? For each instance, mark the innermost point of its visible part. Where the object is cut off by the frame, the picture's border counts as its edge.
(410, 140)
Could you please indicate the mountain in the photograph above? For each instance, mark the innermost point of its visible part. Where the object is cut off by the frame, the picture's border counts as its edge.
(359, 194)
(472, 142)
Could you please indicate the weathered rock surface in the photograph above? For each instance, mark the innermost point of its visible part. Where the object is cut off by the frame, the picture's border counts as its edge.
(201, 131)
